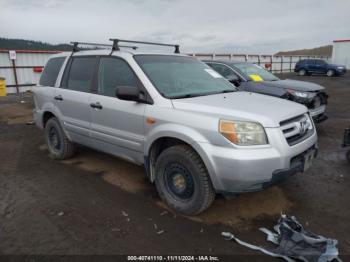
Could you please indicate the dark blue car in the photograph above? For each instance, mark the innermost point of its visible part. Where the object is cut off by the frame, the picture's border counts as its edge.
(253, 78)
(318, 66)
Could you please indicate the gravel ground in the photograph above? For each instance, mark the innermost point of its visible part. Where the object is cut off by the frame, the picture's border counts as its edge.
(101, 205)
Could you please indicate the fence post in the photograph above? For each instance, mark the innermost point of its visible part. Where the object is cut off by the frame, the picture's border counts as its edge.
(281, 64)
(271, 60)
(290, 64)
(15, 74)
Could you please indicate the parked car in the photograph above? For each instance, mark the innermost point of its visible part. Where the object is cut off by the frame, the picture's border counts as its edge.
(318, 66)
(195, 134)
(253, 78)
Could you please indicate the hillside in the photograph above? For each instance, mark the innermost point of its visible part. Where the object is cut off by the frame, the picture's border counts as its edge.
(22, 44)
(319, 51)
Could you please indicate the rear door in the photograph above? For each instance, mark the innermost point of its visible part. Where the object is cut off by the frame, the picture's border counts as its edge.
(312, 66)
(72, 99)
(117, 126)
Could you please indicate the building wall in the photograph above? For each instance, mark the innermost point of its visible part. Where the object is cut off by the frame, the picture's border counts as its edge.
(341, 53)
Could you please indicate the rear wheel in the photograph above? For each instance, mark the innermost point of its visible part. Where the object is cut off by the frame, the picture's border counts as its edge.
(330, 72)
(182, 180)
(302, 72)
(57, 142)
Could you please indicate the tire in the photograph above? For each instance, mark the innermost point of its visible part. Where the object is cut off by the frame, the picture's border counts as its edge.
(302, 72)
(57, 142)
(182, 180)
(348, 156)
(330, 73)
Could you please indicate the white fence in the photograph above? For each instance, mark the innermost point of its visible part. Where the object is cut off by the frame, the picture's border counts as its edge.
(24, 71)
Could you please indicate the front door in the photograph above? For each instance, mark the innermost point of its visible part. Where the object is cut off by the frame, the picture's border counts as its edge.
(117, 126)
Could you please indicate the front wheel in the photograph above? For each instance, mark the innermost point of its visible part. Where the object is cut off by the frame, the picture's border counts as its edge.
(182, 180)
(330, 72)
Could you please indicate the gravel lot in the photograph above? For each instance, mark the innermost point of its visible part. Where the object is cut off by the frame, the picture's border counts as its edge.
(98, 204)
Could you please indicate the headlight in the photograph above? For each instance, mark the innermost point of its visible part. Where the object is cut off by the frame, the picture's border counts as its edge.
(243, 133)
(340, 67)
(298, 93)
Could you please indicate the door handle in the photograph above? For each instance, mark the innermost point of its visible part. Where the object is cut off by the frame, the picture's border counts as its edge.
(96, 105)
(59, 98)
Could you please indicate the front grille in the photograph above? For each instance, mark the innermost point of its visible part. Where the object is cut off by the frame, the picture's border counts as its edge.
(297, 129)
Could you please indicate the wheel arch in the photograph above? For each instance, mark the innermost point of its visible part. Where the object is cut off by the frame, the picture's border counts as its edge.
(165, 138)
(46, 116)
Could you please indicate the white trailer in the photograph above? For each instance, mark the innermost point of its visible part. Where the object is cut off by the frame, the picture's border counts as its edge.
(341, 52)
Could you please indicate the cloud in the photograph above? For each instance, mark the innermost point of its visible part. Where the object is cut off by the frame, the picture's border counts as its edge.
(258, 26)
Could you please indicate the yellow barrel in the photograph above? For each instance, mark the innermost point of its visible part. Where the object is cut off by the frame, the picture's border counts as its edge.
(2, 86)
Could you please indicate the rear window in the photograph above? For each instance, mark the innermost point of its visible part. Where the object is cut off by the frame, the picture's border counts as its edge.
(51, 70)
(80, 74)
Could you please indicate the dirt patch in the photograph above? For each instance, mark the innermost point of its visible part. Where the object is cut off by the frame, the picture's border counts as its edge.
(246, 207)
(126, 176)
(19, 113)
(241, 211)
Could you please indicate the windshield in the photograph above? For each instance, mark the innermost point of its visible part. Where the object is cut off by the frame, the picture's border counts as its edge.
(181, 77)
(255, 73)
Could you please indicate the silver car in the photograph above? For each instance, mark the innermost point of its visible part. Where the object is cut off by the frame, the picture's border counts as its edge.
(194, 133)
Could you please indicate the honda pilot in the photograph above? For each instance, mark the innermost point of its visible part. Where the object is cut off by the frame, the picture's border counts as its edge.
(195, 134)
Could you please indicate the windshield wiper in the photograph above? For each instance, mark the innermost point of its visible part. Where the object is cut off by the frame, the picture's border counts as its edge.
(184, 96)
(202, 94)
(228, 91)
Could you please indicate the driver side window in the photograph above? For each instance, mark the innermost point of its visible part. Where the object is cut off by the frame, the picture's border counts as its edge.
(222, 70)
(114, 72)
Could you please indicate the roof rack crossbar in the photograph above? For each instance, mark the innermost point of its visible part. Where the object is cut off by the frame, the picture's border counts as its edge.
(76, 44)
(116, 44)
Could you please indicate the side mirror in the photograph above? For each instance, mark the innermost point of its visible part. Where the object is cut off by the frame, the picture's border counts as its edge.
(234, 79)
(130, 93)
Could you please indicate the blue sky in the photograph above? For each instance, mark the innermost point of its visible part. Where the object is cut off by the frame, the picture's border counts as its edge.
(253, 26)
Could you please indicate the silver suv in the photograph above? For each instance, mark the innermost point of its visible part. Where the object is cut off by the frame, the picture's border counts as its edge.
(194, 133)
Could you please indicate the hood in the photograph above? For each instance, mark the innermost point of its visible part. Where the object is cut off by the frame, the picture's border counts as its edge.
(295, 84)
(335, 65)
(266, 110)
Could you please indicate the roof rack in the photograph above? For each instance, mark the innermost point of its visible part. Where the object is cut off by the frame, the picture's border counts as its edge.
(76, 45)
(116, 46)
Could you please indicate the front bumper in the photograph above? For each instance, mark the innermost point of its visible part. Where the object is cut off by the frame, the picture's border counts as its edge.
(237, 170)
(340, 71)
(297, 165)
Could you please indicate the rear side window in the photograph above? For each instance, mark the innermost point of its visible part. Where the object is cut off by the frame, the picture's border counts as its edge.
(51, 70)
(80, 75)
(114, 72)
